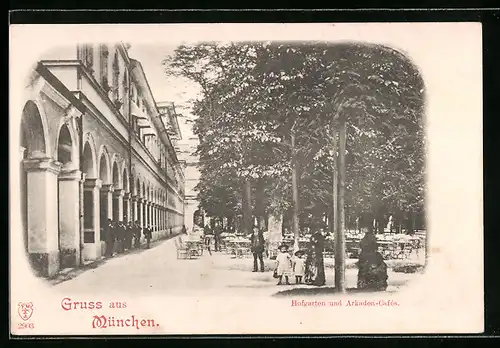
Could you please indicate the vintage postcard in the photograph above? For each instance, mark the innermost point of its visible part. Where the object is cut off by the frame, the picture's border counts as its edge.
(209, 179)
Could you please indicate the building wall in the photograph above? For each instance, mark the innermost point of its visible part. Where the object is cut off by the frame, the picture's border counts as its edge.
(186, 147)
(79, 143)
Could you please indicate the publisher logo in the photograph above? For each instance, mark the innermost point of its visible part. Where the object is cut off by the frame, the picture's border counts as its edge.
(25, 310)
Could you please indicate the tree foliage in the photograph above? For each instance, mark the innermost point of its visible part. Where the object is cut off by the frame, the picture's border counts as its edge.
(255, 94)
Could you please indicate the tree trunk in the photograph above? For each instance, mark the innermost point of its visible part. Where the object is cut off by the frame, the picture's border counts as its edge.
(331, 223)
(335, 185)
(247, 209)
(340, 235)
(295, 195)
(413, 222)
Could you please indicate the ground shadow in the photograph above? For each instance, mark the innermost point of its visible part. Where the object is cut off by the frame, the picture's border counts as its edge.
(319, 291)
(65, 275)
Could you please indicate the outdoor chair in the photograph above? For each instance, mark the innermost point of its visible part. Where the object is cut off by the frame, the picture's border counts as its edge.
(407, 250)
(182, 250)
(242, 252)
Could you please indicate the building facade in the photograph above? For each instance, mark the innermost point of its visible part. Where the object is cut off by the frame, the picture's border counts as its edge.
(93, 146)
(186, 143)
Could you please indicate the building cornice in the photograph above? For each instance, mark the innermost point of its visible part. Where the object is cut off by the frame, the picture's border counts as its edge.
(104, 122)
(58, 90)
(155, 117)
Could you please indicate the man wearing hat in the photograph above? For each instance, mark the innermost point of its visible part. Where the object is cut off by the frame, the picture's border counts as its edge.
(257, 240)
(147, 235)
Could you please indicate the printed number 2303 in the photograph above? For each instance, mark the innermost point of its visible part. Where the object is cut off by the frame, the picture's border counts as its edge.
(25, 326)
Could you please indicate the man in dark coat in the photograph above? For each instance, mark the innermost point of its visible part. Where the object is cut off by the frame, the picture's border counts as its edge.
(257, 242)
(137, 234)
(109, 235)
(147, 234)
(129, 234)
(217, 233)
(120, 236)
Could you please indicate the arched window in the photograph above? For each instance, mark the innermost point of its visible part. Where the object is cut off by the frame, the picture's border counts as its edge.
(87, 56)
(134, 93)
(103, 71)
(116, 74)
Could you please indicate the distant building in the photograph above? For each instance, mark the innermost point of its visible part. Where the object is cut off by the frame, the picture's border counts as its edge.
(185, 143)
(93, 146)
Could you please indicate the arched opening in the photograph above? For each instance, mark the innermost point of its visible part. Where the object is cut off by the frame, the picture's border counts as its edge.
(116, 185)
(144, 206)
(126, 188)
(116, 177)
(103, 169)
(64, 155)
(69, 237)
(138, 213)
(90, 204)
(64, 146)
(88, 162)
(32, 145)
(126, 180)
(104, 196)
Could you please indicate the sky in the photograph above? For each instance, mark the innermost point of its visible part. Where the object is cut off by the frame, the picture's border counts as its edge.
(163, 87)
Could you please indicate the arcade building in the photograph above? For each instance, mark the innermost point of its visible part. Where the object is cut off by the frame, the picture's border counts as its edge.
(93, 146)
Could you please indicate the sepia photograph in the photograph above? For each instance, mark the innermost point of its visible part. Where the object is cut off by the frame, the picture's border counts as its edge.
(233, 179)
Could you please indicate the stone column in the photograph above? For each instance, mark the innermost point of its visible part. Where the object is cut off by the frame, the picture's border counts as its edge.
(153, 220)
(118, 196)
(162, 211)
(107, 192)
(148, 213)
(156, 219)
(43, 224)
(140, 211)
(127, 210)
(69, 220)
(135, 213)
(168, 221)
(92, 220)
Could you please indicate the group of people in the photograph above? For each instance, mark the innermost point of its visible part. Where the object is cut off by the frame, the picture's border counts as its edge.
(212, 234)
(306, 265)
(121, 235)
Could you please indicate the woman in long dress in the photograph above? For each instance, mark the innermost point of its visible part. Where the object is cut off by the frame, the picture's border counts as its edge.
(315, 266)
(372, 270)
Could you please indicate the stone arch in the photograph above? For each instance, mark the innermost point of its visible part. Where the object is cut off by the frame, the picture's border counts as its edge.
(34, 143)
(89, 159)
(143, 190)
(126, 178)
(133, 183)
(66, 146)
(115, 174)
(104, 165)
(34, 137)
(138, 187)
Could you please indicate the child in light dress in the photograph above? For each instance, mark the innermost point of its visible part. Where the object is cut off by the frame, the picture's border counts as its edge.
(284, 267)
(299, 266)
